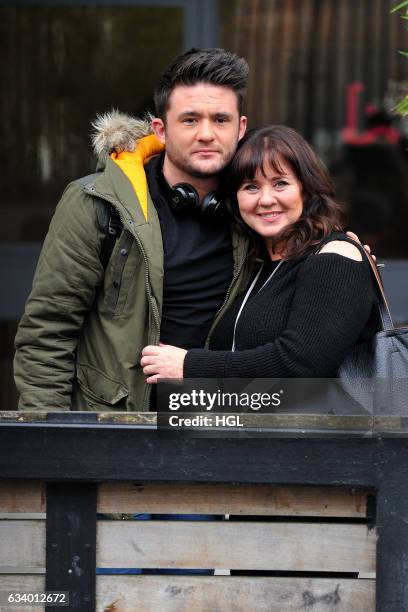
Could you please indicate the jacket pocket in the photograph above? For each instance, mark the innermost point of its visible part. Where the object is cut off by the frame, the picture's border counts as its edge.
(115, 293)
(98, 388)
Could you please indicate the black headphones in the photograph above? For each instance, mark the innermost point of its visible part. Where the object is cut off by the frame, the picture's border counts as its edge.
(184, 195)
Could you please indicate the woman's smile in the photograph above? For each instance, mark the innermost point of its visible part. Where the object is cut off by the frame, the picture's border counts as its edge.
(271, 216)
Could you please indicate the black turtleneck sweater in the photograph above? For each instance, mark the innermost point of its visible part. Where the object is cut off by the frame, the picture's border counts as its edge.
(301, 324)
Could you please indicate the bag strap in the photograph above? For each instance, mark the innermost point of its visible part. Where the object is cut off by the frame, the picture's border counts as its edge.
(383, 306)
(108, 219)
(384, 309)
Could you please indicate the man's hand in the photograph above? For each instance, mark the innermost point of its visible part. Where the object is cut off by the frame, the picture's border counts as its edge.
(366, 247)
(162, 361)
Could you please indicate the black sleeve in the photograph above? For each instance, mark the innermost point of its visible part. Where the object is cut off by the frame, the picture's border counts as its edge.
(332, 302)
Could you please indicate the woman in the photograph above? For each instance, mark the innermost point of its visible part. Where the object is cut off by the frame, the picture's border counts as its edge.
(312, 293)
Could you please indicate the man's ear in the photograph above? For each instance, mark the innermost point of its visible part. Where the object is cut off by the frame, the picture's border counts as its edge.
(242, 126)
(159, 129)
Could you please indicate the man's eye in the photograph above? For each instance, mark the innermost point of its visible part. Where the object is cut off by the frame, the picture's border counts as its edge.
(222, 120)
(189, 120)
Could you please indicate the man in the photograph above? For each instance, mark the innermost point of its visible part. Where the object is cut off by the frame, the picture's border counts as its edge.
(80, 339)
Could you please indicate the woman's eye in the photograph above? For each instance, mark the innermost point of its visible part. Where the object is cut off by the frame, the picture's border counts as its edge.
(281, 183)
(249, 187)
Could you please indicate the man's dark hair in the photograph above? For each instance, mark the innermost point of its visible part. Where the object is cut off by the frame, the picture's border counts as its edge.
(214, 66)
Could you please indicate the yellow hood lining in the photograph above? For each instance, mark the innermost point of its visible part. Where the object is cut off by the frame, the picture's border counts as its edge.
(132, 165)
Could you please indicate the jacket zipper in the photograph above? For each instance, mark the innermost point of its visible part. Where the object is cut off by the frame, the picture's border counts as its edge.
(127, 223)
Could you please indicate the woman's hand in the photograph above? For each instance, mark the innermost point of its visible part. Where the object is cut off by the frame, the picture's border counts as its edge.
(162, 361)
(366, 247)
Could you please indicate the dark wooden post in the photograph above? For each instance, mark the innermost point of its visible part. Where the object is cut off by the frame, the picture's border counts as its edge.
(392, 527)
(71, 543)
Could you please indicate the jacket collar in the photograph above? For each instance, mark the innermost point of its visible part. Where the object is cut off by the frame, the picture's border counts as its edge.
(124, 184)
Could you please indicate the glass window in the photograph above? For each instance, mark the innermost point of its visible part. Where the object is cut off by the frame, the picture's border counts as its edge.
(59, 67)
(332, 70)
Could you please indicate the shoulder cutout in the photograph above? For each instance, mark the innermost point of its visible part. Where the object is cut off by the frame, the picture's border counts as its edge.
(342, 248)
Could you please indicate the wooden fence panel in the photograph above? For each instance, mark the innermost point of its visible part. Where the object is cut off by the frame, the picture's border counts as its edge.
(232, 594)
(236, 545)
(128, 497)
(20, 584)
(22, 496)
(22, 547)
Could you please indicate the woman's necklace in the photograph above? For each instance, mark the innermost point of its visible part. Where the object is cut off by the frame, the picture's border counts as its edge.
(248, 293)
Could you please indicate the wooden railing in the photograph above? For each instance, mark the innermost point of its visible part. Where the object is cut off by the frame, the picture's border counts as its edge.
(310, 516)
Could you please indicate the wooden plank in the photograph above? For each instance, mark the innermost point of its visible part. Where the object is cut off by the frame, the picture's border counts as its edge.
(21, 584)
(128, 497)
(253, 420)
(15, 582)
(77, 453)
(22, 516)
(22, 417)
(22, 496)
(22, 547)
(235, 545)
(122, 418)
(235, 594)
(296, 422)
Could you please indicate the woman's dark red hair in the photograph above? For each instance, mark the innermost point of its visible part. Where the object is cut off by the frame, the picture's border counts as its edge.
(273, 146)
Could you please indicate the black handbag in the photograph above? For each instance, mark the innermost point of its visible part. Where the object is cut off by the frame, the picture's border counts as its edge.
(375, 373)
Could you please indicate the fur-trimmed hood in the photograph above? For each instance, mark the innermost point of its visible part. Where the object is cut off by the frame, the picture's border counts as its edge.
(128, 143)
(116, 131)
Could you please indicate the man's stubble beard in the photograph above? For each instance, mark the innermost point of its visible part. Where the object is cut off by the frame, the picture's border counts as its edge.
(187, 168)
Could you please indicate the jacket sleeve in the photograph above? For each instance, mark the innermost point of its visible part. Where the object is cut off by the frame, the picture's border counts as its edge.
(333, 300)
(67, 275)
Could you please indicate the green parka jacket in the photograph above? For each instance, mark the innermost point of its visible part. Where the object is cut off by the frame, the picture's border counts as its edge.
(80, 339)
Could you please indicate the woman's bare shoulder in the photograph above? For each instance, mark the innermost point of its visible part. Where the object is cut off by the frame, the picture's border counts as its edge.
(341, 247)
